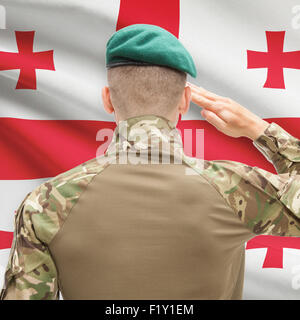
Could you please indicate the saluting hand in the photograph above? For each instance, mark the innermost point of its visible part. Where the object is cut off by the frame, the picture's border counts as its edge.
(227, 115)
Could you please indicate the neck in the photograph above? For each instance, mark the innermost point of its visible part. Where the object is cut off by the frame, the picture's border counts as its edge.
(172, 118)
(146, 132)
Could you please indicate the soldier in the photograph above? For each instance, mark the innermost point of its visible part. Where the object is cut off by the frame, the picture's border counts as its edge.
(143, 230)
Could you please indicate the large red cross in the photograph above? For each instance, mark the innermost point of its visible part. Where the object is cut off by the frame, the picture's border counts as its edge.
(26, 60)
(275, 59)
(274, 245)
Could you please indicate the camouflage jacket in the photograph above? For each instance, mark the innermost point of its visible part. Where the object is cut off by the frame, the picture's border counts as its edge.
(266, 203)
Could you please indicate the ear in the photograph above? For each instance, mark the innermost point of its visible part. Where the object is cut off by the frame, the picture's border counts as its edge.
(108, 107)
(185, 101)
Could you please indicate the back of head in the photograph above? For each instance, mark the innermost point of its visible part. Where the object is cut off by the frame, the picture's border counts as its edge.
(140, 90)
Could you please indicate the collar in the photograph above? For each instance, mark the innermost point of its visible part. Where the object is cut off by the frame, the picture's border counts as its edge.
(146, 132)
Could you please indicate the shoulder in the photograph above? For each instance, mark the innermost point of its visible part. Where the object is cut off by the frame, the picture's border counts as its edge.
(222, 174)
(232, 178)
(49, 204)
(237, 174)
(228, 174)
(251, 192)
(217, 168)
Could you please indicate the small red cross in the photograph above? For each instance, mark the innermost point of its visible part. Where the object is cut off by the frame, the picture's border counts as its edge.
(26, 60)
(275, 245)
(275, 59)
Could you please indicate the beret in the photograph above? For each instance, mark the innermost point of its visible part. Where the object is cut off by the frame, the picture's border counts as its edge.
(147, 44)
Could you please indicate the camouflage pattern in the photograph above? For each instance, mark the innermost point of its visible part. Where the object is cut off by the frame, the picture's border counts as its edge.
(267, 203)
(31, 273)
(144, 135)
(280, 148)
(254, 196)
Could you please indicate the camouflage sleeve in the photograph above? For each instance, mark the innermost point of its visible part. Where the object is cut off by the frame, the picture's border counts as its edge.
(266, 203)
(30, 273)
(280, 148)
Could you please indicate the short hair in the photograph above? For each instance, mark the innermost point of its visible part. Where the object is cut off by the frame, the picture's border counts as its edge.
(138, 90)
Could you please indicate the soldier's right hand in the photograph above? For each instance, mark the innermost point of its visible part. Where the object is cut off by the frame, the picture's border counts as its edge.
(226, 115)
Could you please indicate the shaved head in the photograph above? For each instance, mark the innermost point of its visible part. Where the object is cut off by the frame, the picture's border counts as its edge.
(139, 90)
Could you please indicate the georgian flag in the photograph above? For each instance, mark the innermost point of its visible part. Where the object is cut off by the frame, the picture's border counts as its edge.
(52, 69)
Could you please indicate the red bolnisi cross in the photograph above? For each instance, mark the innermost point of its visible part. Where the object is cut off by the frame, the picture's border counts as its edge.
(26, 60)
(275, 60)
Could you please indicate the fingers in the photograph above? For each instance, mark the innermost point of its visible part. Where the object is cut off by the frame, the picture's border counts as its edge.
(207, 104)
(201, 91)
(201, 101)
(218, 111)
(213, 119)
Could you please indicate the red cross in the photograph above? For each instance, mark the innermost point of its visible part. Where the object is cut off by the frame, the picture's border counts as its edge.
(26, 60)
(275, 245)
(275, 60)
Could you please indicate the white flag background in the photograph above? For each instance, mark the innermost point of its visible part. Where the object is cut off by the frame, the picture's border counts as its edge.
(52, 69)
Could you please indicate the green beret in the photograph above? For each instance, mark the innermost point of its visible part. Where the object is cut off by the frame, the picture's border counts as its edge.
(147, 44)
